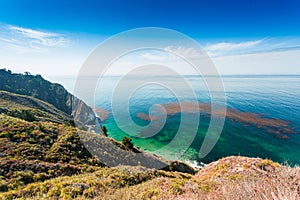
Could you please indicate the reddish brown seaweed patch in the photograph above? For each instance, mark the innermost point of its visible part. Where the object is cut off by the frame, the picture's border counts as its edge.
(147, 117)
(274, 126)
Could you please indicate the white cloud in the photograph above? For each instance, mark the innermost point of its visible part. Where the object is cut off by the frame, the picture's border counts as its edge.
(225, 46)
(154, 56)
(172, 53)
(184, 51)
(253, 46)
(29, 40)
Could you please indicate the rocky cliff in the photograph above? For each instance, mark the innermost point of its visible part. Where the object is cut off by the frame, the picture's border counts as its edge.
(55, 94)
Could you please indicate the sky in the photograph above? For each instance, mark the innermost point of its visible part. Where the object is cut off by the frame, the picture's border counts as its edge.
(54, 38)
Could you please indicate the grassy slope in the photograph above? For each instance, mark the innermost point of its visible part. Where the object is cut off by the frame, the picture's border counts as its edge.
(13, 104)
(34, 151)
(229, 178)
(37, 151)
(102, 183)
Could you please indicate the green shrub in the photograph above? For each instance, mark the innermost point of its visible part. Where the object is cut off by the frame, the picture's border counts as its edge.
(27, 115)
(127, 142)
(24, 176)
(71, 123)
(3, 186)
(104, 130)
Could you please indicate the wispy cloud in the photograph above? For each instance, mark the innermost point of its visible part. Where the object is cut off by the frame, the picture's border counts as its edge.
(252, 46)
(184, 51)
(27, 40)
(226, 49)
(227, 46)
(214, 50)
(171, 53)
(154, 56)
(231, 48)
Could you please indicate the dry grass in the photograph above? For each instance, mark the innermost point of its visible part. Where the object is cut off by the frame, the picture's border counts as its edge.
(107, 183)
(245, 178)
(281, 184)
(284, 187)
(231, 178)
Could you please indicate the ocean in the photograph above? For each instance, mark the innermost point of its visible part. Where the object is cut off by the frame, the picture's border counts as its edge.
(263, 115)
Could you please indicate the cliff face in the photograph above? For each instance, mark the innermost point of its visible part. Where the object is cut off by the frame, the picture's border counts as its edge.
(82, 114)
(52, 93)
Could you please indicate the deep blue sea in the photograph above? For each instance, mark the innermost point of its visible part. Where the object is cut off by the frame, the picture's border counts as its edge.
(271, 97)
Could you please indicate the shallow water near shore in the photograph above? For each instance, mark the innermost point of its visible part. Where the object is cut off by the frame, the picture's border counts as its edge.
(269, 128)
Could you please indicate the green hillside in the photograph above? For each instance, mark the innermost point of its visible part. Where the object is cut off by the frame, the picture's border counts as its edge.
(37, 87)
(65, 104)
(16, 105)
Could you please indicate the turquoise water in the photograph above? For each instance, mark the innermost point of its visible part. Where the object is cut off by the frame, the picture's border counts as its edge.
(275, 97)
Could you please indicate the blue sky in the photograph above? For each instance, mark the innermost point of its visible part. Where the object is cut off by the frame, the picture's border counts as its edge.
(241, 36)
